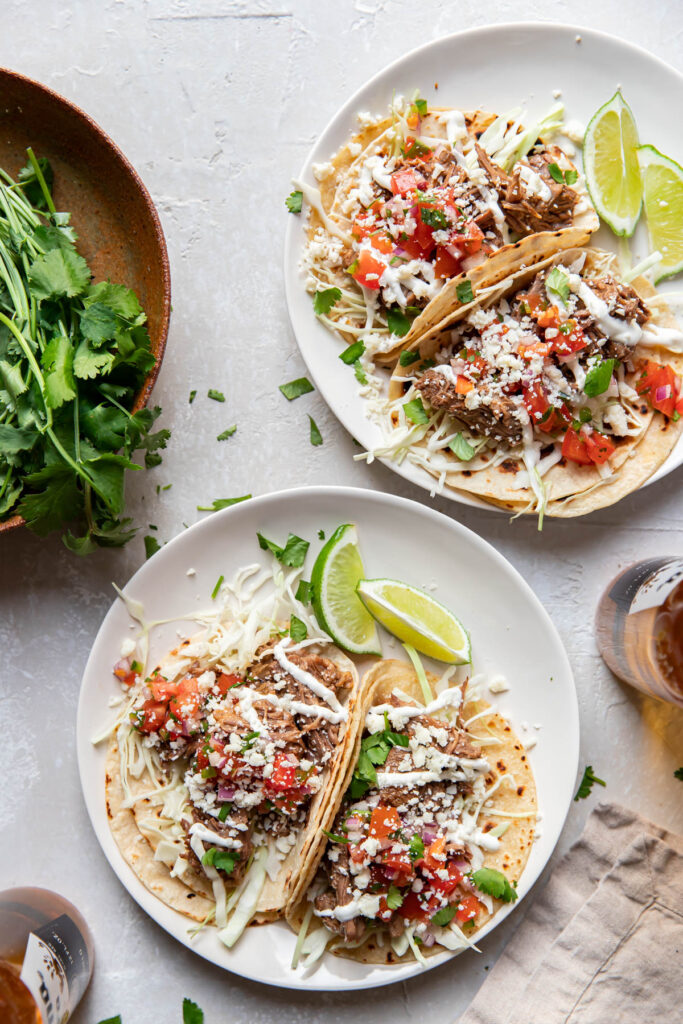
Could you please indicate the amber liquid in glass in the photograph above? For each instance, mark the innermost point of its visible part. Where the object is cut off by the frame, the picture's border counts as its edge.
(46, 957)
(639, 627)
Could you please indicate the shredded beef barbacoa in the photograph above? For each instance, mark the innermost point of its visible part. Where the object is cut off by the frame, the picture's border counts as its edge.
(498, 420)
(524, 213)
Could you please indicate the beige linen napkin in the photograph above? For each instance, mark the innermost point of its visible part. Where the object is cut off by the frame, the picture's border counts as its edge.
(604, 940)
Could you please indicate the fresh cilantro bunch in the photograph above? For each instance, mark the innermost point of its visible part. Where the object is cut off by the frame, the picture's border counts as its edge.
(73, 356)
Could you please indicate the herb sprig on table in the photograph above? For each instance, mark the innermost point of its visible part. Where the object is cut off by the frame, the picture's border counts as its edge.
(73, 356)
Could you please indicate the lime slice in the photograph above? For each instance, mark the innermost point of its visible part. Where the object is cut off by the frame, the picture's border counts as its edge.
(416, 619)
(610, 161)
(663, 201)
(334, 579)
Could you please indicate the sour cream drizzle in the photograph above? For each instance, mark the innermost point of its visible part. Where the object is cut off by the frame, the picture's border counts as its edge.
(207, 836)
(306, 679)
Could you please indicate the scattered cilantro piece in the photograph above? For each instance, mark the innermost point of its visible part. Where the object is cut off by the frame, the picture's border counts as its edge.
(297, 629)
(407, 357)
(152, 545)
(464, 292)
(678, 774)
(321, 535)
(556, 174)
(191, 1013)
(324, 301)
(586, 784)
(219, 503)
(303, 592)
(598, 378)
(207, 773)
(374, 750)
(227, 433)
(462, 448)
(224, 811)
(333, 837)
(360, 373)
(292, 554)
(315, 435)
(217, 396)
(399, 322)
(570, 176)
(434, 218)
(421, 107)
(585, 415)
(394, 898)
(416, 847)
(296, 388)
(494, 883)
(415, 411)
(249, 740)
(444, 916)
(353, 352)
(558, 283)
(193, 395)
(219, 584)
(293, 201)
(112, 1020)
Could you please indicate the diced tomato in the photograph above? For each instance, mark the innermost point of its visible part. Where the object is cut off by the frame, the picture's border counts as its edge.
(359, 855)
(202, 758)
(447, 885)
(368, 265)
(474, 359)
(435, 857)
(384, 820)
(569, 340)
(420, 244)
(549, 317)
(187, 702)
(661, 386)
(225, 682)
(405, 181)
(468, 908)
(410, 150)
(536, 348)
(283, 776)
(574, 448)
(400, 866)
(599, 447)
(162, 689)
(126, 678)
(543, 415)
(380, 242)
(446, 264)
(412, 909)
(152, 717)
(469, 239)
(463, 386)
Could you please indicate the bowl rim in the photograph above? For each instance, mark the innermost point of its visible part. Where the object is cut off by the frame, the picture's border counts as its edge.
(145, 391)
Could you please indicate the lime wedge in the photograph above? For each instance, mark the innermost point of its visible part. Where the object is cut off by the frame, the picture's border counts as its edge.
(334, 579)
(663, 201)
(416, 619)
(610, 161)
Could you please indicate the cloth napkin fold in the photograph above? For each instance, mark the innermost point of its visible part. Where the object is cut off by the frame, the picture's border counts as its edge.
(603, 942)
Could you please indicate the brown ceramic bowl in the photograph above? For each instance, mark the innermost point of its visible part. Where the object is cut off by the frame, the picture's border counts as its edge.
(118, 227)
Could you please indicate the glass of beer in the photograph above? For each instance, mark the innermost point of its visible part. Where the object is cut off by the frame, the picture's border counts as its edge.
(639, 627)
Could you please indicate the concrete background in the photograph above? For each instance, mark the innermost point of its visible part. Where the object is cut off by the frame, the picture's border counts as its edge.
(216, 104)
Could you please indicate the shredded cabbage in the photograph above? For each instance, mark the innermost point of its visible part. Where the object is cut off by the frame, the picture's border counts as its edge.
(247, 901)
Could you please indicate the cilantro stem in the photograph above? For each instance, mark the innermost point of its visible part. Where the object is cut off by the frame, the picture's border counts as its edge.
(32, 363)
(41, 180)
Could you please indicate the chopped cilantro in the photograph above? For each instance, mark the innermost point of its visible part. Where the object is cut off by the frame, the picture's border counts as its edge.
(360, 373)
(292, 554)
(152, 545)
(222, 860)
(296, 388)
(219, 503)
(191, 1013)
(315, 435)
(494, 883)
(374, 750)
(249, 740)
(293, 201)
(444, 916)
(558, 283)
(303, 592)
(585, 415)
(416, 847)
(462, 448)
(586, 784)
(598, 378)
(678, 774)
(321, 535)
(571, 176)
(297, 629)
(219, 584)
(407, 357)
(209, 772)
(136, 667)
(324, 301)
(112, 1020)
(434, 218)
(224, 811)
(193, 395)
(556, 174)
(415, 411)
(227, 433)
(394, 898)
(464, 292)
(399, 323)
(217, 396)
(353, 352)
(333, 837)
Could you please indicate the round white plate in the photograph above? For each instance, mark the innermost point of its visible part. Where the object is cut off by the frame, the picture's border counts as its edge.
(495, 68)
(511, 634)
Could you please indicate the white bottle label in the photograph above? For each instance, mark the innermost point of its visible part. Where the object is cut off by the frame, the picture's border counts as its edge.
(56, 968)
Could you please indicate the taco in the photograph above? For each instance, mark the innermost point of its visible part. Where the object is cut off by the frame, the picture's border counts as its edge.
(419, 200)
(432, 834)
(551, 393)
(220, 771)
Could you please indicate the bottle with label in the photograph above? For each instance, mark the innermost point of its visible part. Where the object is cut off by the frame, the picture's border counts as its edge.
(639, 627)
(46, 957)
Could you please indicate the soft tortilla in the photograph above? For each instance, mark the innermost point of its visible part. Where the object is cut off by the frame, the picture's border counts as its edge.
(510, 756)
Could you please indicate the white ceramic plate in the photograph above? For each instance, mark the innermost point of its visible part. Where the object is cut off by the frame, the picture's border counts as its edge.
(511, 634)
(495, 68)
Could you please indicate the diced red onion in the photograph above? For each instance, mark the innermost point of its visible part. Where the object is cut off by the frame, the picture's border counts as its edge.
(428, 939)
(429, 834)
(226, 792)
(124, 665)
(353, 821)
(662, 393)
(461, 864)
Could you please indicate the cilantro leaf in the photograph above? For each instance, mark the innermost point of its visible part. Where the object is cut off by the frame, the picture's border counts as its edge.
(315, 435)
(52, 497)
(462, 448)
(293, 554)
(193, 395)
(421, 107)
(219, 503)
(558, 283)
(399, 323)
(57, 360)
(407, 357)
(353, 352)
(571, 176)
(415, 411)
(416, 847)
(224, 811)
(444, 916)
(227, 433)
(152, 545)
(434, 218)
(324, 301)
(297, 629)
(374, 750)
(464, 292)
(303, 592)
(556, 173)
(296, 388)
(112, 1020)
(191, 1013)
(394, 898)
(678, 774)
(217, 396)
(360, 373)
(598, 378)
(494, 883)
(587, 782)
(99, 323)
(333, 837)
(294, 201)
(16, 439)
(61, 272)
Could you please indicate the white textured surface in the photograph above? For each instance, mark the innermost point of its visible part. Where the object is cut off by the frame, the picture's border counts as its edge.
(216, 104)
